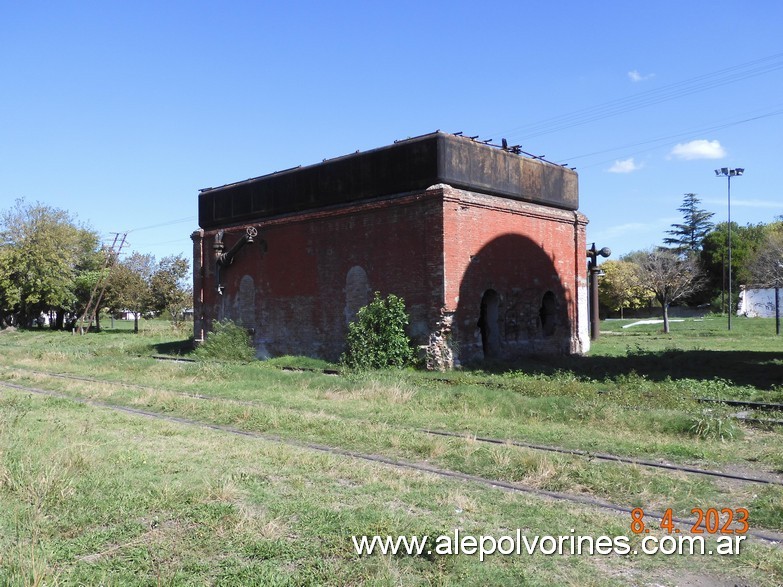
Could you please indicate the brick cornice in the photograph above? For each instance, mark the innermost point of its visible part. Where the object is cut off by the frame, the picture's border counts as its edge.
(508, 206)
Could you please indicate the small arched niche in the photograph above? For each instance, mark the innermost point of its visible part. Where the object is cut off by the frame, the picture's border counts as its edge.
(247, 302)
(357, 292)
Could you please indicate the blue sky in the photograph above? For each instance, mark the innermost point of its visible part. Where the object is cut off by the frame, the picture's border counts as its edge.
(120, 112)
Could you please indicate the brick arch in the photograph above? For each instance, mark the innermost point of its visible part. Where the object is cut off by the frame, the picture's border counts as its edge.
(520, 273)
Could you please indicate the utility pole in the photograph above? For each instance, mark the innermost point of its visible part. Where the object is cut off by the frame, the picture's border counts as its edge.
(94, 303)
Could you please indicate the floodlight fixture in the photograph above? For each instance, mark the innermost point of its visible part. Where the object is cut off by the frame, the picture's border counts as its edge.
(728, 173)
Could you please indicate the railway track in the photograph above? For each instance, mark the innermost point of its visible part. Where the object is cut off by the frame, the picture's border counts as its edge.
(590, 455)
(766, 536)
(763, 406)
(745, 416)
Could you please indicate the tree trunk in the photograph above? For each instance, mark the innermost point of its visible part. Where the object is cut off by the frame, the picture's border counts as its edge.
(665, 318)
(136, 322)
(97, 320)
(621, 311)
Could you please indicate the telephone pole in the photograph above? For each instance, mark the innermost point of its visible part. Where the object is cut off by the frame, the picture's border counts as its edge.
(94, 303)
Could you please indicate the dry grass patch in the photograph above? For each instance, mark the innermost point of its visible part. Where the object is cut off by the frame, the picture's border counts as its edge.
(224, 489)
(461, 502)
(542, 471)
(373, 390)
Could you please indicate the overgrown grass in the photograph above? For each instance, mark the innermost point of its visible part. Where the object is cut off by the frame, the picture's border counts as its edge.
(227, 342)
(175, 499)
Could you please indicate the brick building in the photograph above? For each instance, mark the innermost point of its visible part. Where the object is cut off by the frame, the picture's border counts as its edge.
(486, 247)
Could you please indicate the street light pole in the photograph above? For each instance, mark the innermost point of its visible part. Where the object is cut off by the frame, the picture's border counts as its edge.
(595, 271)
(728, 174)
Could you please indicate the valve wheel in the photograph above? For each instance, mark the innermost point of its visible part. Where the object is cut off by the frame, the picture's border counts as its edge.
(251, 231)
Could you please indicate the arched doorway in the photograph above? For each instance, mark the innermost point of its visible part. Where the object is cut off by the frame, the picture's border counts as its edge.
(519, 272)
(548, 314)
(488, 324)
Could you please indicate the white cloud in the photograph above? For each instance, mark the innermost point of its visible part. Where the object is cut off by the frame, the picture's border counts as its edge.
(624, 166)
(698, 149)
(635, 76)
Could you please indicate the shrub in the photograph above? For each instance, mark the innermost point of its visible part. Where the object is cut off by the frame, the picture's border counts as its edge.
(227, 342)
(376, 338)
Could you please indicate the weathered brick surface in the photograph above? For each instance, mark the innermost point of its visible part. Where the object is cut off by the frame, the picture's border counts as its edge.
(520, 252)
(302, 289)
(441, 249)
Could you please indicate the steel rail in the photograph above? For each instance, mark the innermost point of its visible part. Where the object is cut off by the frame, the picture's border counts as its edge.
(489, 440)
(771, 537)
(743, 404)
(606, 457)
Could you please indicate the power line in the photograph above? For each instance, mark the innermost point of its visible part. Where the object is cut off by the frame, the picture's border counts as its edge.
(177, 240)
(643, 99)
(164, 223)
(688, 133)
(654, 96)
(606, 161)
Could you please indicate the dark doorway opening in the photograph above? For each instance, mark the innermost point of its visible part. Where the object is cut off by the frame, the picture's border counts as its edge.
(488, 323)
(548, 314)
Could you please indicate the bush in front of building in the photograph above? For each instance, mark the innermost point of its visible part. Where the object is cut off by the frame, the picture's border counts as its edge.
(377, 338)
(227, 342)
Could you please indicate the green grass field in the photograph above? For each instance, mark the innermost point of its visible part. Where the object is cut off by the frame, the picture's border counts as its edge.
(92, 496)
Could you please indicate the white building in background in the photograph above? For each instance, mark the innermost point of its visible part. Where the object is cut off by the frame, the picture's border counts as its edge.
(757, 302)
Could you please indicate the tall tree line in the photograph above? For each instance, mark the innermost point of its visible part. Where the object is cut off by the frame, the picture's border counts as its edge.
(50, 264)
(692, 265)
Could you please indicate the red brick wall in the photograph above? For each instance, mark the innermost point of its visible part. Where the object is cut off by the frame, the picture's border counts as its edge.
(440, 250)
(299, 284)
(520, 251)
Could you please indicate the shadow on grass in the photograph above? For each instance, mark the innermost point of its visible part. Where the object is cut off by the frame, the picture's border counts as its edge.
(175, 348)
(762, 370)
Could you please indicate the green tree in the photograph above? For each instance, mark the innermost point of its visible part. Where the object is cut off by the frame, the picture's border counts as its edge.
(687, 237)
(129, 286)
(171, 292)
(43, 253)
(745, 241)
(376, 338)
(619, 287)
(86, 283)
(9, 292)
(766, 264)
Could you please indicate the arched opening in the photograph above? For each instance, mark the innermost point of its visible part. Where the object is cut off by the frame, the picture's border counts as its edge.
(519, 271)
(488, 324)
(247, 303)
(548, 314)
(357, 292)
